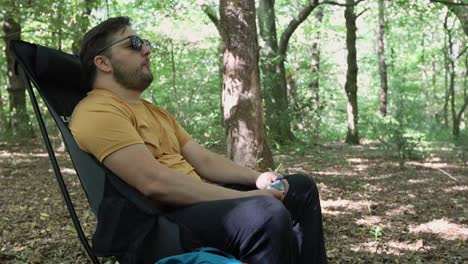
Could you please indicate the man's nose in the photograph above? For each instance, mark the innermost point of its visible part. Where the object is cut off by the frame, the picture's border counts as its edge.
(145, 49)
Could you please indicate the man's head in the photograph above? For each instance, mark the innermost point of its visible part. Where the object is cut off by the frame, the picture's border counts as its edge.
(113, 48)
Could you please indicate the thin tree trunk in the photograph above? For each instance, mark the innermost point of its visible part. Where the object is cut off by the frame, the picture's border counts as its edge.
(2, 114)
(446, 80)
(382, 64)
(452, 58)
(352, 137)
(274, 75)
(275, 86)
(455, 121)
(315, 62)
(292, 90)
(18, 121)
(82, 24)
(241, 98)
(425, 75)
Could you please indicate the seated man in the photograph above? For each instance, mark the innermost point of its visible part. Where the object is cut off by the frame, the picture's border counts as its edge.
(146, 147)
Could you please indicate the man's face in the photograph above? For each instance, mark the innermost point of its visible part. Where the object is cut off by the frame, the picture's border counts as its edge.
(131, 68)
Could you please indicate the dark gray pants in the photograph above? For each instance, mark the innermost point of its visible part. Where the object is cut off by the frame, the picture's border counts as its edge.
(261, 229)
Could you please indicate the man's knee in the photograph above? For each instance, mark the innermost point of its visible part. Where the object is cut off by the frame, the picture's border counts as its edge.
(269, 214)
(303, 183)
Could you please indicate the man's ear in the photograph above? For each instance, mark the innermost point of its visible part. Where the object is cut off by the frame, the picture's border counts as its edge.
(103, 63)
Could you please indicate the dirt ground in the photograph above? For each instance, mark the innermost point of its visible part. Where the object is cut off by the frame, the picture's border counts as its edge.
(374, 211)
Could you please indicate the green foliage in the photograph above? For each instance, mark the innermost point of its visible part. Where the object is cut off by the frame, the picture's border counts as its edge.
(377, 232)
(398, 139)
(186, 65)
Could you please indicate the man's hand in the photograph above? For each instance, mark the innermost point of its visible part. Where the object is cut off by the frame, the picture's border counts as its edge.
(269, 177)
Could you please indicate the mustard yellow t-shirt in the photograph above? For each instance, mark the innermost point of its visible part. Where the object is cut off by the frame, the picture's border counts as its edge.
(103, 123)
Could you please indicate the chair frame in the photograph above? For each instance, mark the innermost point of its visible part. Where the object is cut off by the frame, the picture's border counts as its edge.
(28, 79)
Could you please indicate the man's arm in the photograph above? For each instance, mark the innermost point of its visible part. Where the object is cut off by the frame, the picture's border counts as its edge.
(136, 166)
(217, 168)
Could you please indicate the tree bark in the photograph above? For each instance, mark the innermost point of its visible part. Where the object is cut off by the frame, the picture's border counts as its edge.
(352, 137)
(452, 58)
(2, 114)
(274, 75)
(292, 90)
(446, 78)
(315, 62)
(382, 64)
(241, 97)
(460, 9)
(18, 121)
(274, 55)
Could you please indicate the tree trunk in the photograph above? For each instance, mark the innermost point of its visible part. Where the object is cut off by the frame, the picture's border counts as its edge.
(382, 64)
(351, 87)
(459, 8)
(274, 75)
(82, 24)
(315, 62)
(455, 121)
(452, 58)
(241, 97)
(2, 114)
(446, 80)
(19, 121)
(292, 90)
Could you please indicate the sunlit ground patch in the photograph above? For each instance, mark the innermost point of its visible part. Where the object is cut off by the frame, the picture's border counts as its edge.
(419, 181)
(442, 228)
(396, 248)
(457, 188)
(7, 154)
(68, 171)
(402, 210)
(383, 176)
(337, 207)
(369, 220)
(334, 173)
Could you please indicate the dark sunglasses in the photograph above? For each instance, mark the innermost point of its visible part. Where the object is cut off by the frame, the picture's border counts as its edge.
(136, 43)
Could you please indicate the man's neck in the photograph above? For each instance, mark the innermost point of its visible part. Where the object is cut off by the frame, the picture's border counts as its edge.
(131, 96)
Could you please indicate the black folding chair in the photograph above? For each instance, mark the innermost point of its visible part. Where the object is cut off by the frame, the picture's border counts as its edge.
(57, 78)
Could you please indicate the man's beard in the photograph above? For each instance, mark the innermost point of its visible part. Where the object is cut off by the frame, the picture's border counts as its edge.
(136, 80)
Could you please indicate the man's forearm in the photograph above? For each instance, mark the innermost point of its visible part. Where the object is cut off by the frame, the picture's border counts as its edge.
(222, 170)
(180, 189)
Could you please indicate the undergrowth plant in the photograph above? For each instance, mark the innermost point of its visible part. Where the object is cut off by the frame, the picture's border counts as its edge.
(397, 138)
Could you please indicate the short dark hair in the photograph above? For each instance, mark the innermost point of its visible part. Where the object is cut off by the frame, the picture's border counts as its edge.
(94, 40)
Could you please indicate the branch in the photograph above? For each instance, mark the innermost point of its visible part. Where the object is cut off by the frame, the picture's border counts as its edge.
(293, 24)
(358, 15)
(461, 53)
(340, 4)
(212, 15)
(462, 109)
(449, 3)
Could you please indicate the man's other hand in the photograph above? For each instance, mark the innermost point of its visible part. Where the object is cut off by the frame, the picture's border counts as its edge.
(268, 178)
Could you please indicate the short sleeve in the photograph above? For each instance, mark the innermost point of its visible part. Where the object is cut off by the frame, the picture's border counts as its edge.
(103, 129)
(182, 135)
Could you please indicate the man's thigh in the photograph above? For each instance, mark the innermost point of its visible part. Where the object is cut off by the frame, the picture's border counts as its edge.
(227, 224)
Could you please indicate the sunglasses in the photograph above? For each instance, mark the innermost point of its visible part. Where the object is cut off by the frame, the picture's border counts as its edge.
(136, 43)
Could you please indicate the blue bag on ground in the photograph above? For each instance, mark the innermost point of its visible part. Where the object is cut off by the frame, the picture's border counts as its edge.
(206, 255)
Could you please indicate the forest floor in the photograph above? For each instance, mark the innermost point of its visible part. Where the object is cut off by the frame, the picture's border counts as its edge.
(373, 210)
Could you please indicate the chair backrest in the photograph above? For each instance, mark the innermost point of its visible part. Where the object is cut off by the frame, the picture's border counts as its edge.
(57, 78)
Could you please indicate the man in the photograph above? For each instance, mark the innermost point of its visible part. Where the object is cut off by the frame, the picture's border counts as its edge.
(144, 146)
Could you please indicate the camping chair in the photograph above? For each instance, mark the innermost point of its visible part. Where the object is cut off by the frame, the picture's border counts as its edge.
(57, 77)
